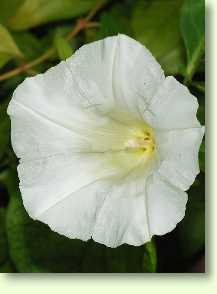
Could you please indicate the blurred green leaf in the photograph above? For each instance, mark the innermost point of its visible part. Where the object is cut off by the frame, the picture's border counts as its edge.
(93, 259)
(30, 45)
(7, 89)
(199, 86)
(125, 259)
(63, 47)
(114, 21)
(7, 267)
(192, 24)
(4, 58)
(4, 128)
(36, 12)
(201, 101)
(91, 35)
(202, 156)
(201, 113)
(3, 237)
(156, 25)
(192, 228)
(8, 8)
(8, 48)
(150, 257)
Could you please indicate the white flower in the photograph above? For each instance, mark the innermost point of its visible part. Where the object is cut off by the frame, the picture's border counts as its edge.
(107, 144)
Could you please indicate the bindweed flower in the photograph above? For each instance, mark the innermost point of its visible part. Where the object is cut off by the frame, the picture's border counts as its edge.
(107, 145)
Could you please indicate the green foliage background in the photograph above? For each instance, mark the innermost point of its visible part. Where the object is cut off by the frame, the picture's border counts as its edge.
(173, 30)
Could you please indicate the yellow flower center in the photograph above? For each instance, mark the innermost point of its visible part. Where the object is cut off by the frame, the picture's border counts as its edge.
(126, 141)
(142, 141)
(138, 148)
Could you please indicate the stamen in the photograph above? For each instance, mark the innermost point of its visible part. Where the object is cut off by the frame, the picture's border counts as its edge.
(141, 141)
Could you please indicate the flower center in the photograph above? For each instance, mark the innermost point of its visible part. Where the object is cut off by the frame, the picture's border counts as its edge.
(138, 150)
(128, 142)
(142, 141)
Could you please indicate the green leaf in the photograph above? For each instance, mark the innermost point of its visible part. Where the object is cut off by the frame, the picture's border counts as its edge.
(30, 45)
(150, 257)
(192, 25)
(4, 128)
(125, 259)
(114, 21)
(192, 228)
(63, 47)
(7, 89)
(202, 156)
(199, 86)
(8, 48)
(36, 12)
(201, 100)
(4, 58)
(156, 25)
(8, 8)
(3, 237)
(7, 267)
(201, 112)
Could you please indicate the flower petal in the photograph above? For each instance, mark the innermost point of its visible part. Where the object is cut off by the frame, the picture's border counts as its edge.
(50, 94)
(172, 107)
(136, 210)
(116, 72)
(166, 205)
(72, 192)
(34, 135)
(57, 108)
(75, 215)
(46, 183)
(178, 151)
(123, 217)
